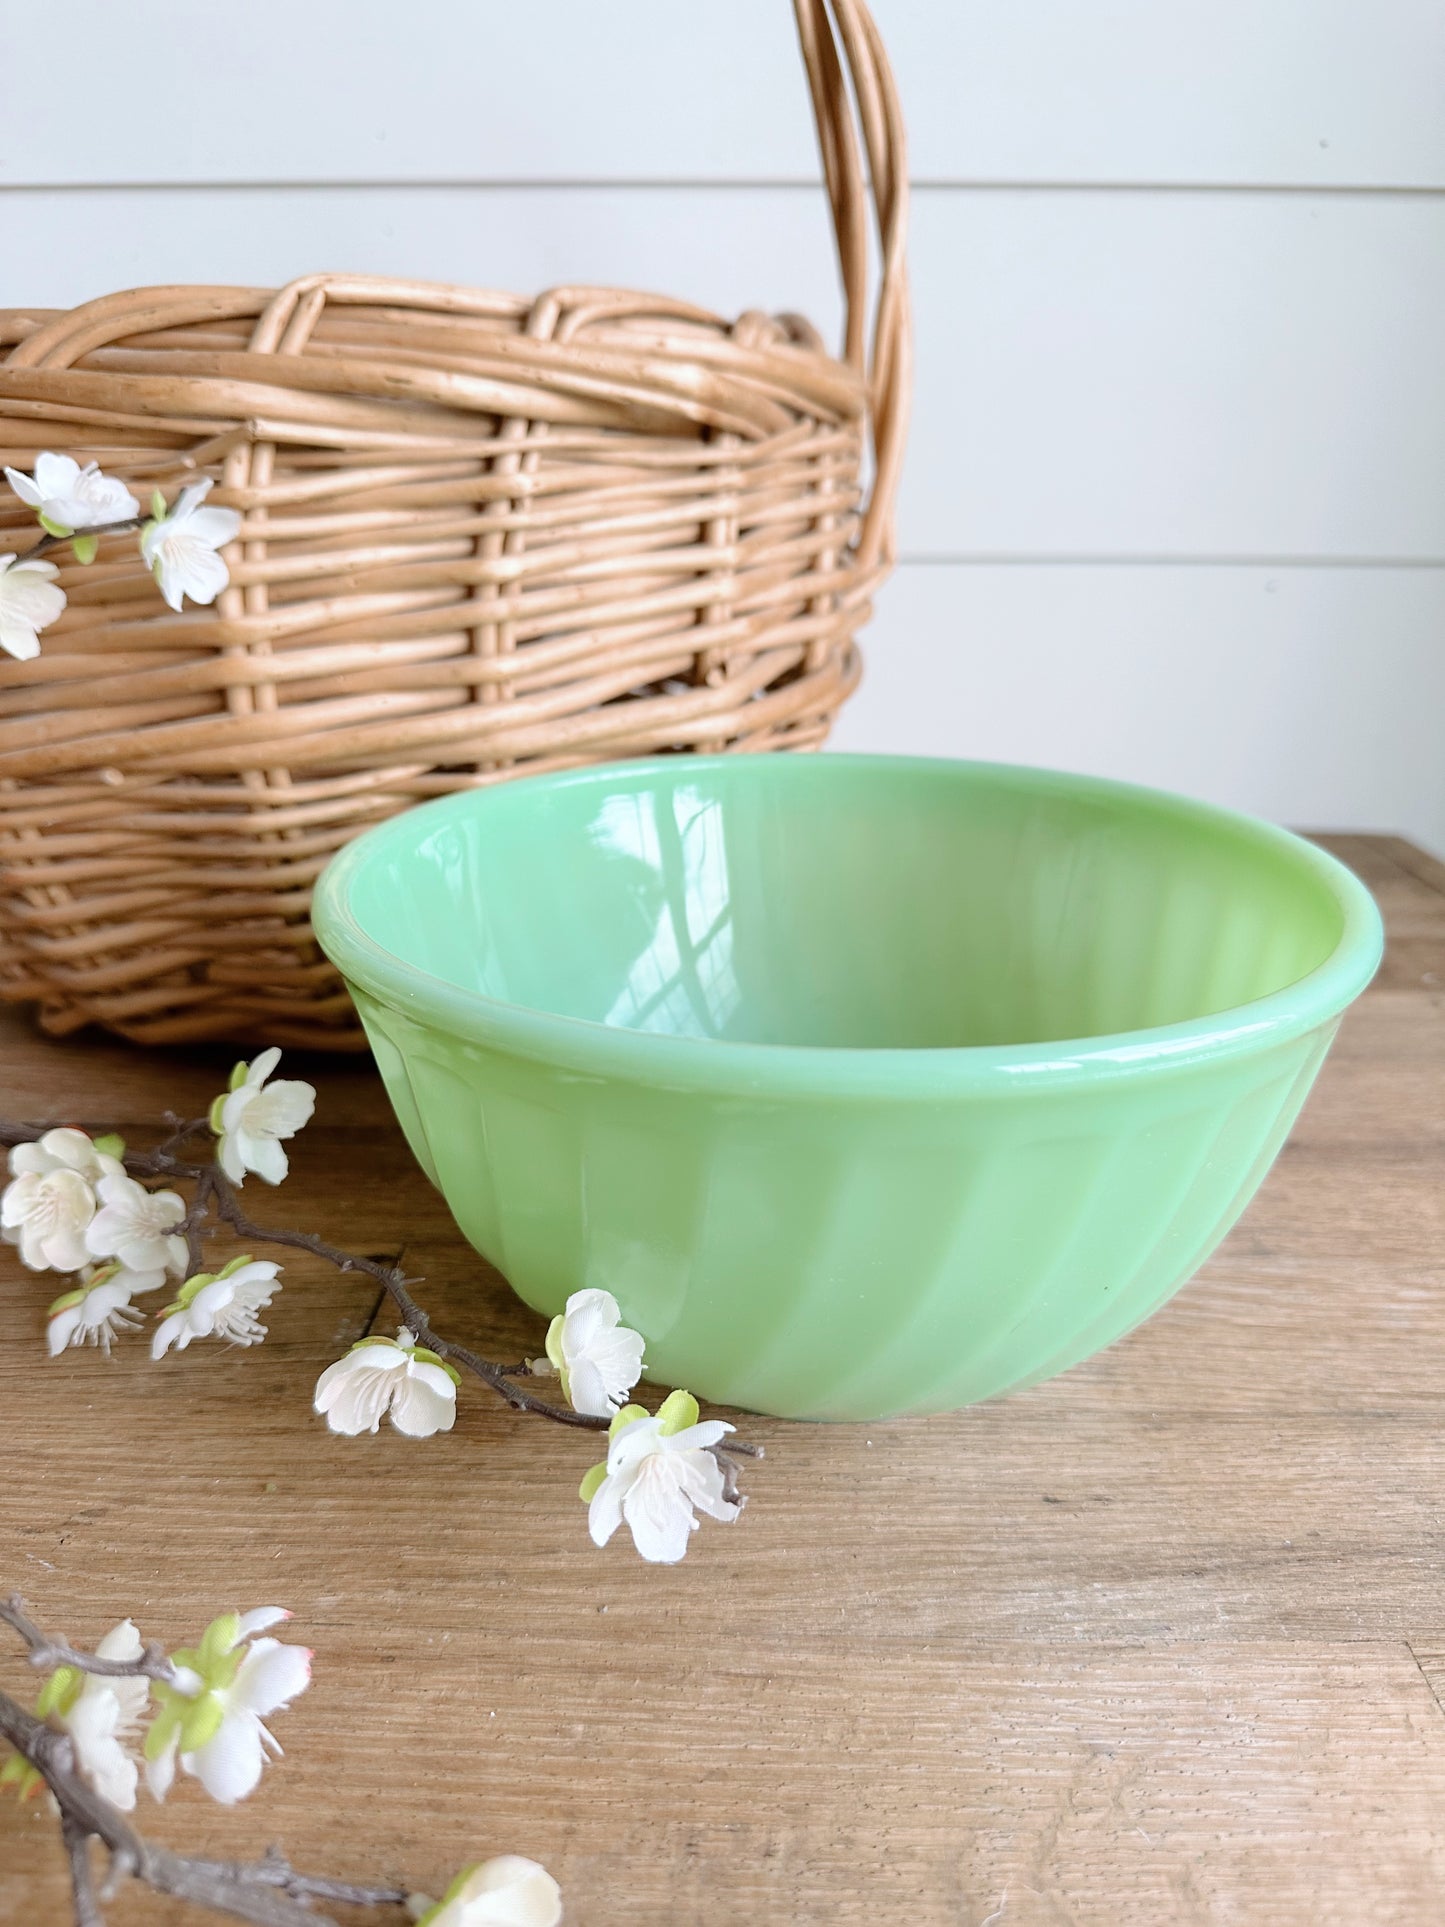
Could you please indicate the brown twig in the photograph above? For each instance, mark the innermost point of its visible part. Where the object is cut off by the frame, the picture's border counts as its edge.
(48, 1653)
(48, 541)
(82, 1881)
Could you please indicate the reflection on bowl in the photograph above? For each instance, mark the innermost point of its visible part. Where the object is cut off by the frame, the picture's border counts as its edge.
(869, 1085)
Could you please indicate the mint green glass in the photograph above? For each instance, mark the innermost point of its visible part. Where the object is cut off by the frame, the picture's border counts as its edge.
(868, 1085)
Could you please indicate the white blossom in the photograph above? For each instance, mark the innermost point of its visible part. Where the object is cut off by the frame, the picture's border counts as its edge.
(29, 602)
(507, 1891)
(252, 1117)
(67, 497)
(597, 1357)
(102, 1717)
(47, 1207)
(180, 548)
(385, 1377)
(137, 1226)
(219, 1305)
(657, 1473)
(66, 1149)
(213, 1719)
(100, 1309)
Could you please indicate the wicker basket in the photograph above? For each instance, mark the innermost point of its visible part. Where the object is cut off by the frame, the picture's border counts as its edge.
(483, 536)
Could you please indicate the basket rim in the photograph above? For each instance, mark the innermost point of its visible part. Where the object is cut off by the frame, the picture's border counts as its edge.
(832, 1073)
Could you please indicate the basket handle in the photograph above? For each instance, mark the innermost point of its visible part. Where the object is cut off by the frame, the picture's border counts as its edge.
(841, 46)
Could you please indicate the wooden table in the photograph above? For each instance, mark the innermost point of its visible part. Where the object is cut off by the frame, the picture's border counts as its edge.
(1159, 1642)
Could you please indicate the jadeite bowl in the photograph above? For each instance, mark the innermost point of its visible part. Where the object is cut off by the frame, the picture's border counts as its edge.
(868, 1085)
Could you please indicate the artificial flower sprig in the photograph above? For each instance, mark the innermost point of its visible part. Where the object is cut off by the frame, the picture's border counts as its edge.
(126, 1715)
(180, 543)
(78, 1204)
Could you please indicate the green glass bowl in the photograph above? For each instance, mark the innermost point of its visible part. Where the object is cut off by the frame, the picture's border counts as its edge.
(869, 1085)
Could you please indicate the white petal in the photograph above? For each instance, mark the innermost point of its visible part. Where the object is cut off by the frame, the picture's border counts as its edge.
(23, 486)
(120, 1191)
(28, 570)
(259, 1272)
(173, 590)
(214, 526)
(365, 1405)
(604, 1513)
(424, 1402)
(355, 1400)
(260, 1068)
(229, 1766)
(19, 1197)
(105, 1230)
(29, 597)
(161, 1772)
(175, 1330)
(210, 1303)
(65, 1247)
(74, 1149)
(508, 1891)
(332, 1384)
(190, 498)
(61, 1329)
(282, 1108)
(588, 1389)
(197, 570)
(658, 1514)
(702, 1481)
(92, 1723)
(101, 1300)
(711, 1431)
(263, 1155)
(121, 1642)
(32, 1248)
(356, 1364)
(617, 1355)
(634, 1442)
(136, 1282)
(56, 474)
(588, 1315)
(17, 641)
(261, 1620)
(271, 1676)
(228, 1156)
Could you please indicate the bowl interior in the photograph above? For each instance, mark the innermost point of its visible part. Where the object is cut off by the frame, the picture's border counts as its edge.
(846, 901)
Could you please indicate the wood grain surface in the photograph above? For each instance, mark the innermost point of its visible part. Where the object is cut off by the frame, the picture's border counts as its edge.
(1159, 1642)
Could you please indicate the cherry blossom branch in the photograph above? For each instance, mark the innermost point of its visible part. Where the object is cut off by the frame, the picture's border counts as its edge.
(267, 1894)
(215, 1190)
(181, 544)
(394, 1281)
(214, 1193)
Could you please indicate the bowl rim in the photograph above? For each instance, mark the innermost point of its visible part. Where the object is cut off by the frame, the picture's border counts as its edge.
(759, 1070)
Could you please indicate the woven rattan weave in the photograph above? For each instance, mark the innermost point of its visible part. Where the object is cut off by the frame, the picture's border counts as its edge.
(483, 536)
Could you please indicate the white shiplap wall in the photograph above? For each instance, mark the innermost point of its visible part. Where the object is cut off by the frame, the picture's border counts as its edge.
(1175, 506)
